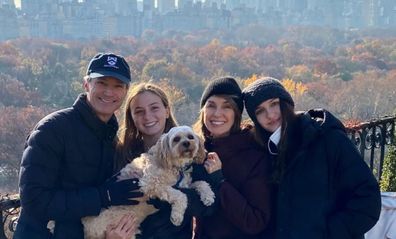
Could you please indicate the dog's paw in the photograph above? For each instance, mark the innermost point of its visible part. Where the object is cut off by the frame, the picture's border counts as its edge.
(206, 194)
(207, 198)
(176, 218)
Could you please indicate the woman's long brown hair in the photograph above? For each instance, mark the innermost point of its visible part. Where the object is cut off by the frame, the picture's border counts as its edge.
(130, 144)
(262, 136)
(200, 128)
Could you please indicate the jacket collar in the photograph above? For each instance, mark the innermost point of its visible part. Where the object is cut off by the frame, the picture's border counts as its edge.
(232, 144)
(105, 131)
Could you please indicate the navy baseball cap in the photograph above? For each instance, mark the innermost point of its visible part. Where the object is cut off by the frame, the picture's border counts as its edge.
(109, 64)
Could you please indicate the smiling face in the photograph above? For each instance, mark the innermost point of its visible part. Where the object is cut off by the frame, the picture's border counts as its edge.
(149, 114)
(219, 116)
(269, 115)
(105, 95)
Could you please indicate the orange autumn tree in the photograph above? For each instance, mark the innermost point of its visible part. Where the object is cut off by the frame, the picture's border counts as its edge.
(296, 89)
(250, 80)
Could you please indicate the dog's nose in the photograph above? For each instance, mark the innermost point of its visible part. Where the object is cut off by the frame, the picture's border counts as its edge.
(186, 144)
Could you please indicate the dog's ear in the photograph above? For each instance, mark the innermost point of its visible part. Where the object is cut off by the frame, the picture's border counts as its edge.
(201, 153)
(164, 151)
(155, 149)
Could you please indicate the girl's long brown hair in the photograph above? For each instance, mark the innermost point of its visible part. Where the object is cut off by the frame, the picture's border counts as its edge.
(262, 136)
(130, 144)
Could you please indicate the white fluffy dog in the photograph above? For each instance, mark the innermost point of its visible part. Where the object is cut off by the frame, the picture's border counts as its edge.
(166, 164)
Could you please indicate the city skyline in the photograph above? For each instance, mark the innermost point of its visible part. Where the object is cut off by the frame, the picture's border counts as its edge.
(18, 2)
(84, 19)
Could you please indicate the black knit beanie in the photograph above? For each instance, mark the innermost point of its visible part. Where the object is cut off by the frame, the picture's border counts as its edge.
(261, 90)
(223, 86)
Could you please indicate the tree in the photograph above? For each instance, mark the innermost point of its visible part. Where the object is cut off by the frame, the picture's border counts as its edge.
(14, 93)
(155, 69)
(15, 124)
(300, 73)
(325, 66)
(388, 178)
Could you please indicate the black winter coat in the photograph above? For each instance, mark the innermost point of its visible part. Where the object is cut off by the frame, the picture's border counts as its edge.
(328, 191)
(159, 226)
(67, 155)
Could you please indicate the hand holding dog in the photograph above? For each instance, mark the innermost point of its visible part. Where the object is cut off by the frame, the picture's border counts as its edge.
(124, 192)
(212, 163)
(124, 229)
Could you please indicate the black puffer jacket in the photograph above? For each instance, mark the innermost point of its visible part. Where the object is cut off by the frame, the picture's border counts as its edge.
(159, 226)
(67, 155)
(328, 191)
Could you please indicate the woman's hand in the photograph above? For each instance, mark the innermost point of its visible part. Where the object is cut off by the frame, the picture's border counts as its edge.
(212, 163)
(124, 229)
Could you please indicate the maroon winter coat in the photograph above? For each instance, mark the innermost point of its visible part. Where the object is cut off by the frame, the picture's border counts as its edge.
(244, 195)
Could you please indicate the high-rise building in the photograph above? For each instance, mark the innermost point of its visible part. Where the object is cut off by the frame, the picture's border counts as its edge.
(148, 5)
(332, 12)
(31, 7)
(255, 4)
(165, 6)
(388, 12)
(211, 3)
(125, 7)
(268, 5)
(185, 5)
(231, 4)
(7, 2)
(298, 5)
(8, 21)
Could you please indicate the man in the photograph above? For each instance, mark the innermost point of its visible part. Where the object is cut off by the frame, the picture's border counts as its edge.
(69, 155)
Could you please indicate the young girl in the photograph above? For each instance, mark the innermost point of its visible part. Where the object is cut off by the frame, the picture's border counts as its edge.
(243, 194)
(147, 116)
(324, 188)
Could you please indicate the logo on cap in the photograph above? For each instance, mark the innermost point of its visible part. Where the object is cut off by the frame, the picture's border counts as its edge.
(111, 62)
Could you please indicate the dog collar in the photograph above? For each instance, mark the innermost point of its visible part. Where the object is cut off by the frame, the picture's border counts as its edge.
(181, 174)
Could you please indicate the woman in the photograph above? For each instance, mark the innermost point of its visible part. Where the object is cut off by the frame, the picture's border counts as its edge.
(324, 188)
(147, 116)
(243, 194)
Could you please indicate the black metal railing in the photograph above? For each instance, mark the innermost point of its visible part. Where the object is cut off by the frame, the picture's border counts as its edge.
(370, 138)
(9, 207)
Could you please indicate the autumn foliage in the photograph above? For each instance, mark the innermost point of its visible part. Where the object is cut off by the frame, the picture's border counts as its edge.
(352, 74)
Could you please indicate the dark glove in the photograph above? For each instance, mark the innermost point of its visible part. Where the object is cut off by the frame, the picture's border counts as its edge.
(114, 193)
(158, 203)
(215, 179)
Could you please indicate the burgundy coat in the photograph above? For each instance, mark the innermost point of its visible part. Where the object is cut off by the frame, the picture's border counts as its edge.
(244, 195)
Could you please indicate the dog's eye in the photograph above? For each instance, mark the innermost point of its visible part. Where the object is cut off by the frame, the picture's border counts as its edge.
(176, 139)
(190, 136)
